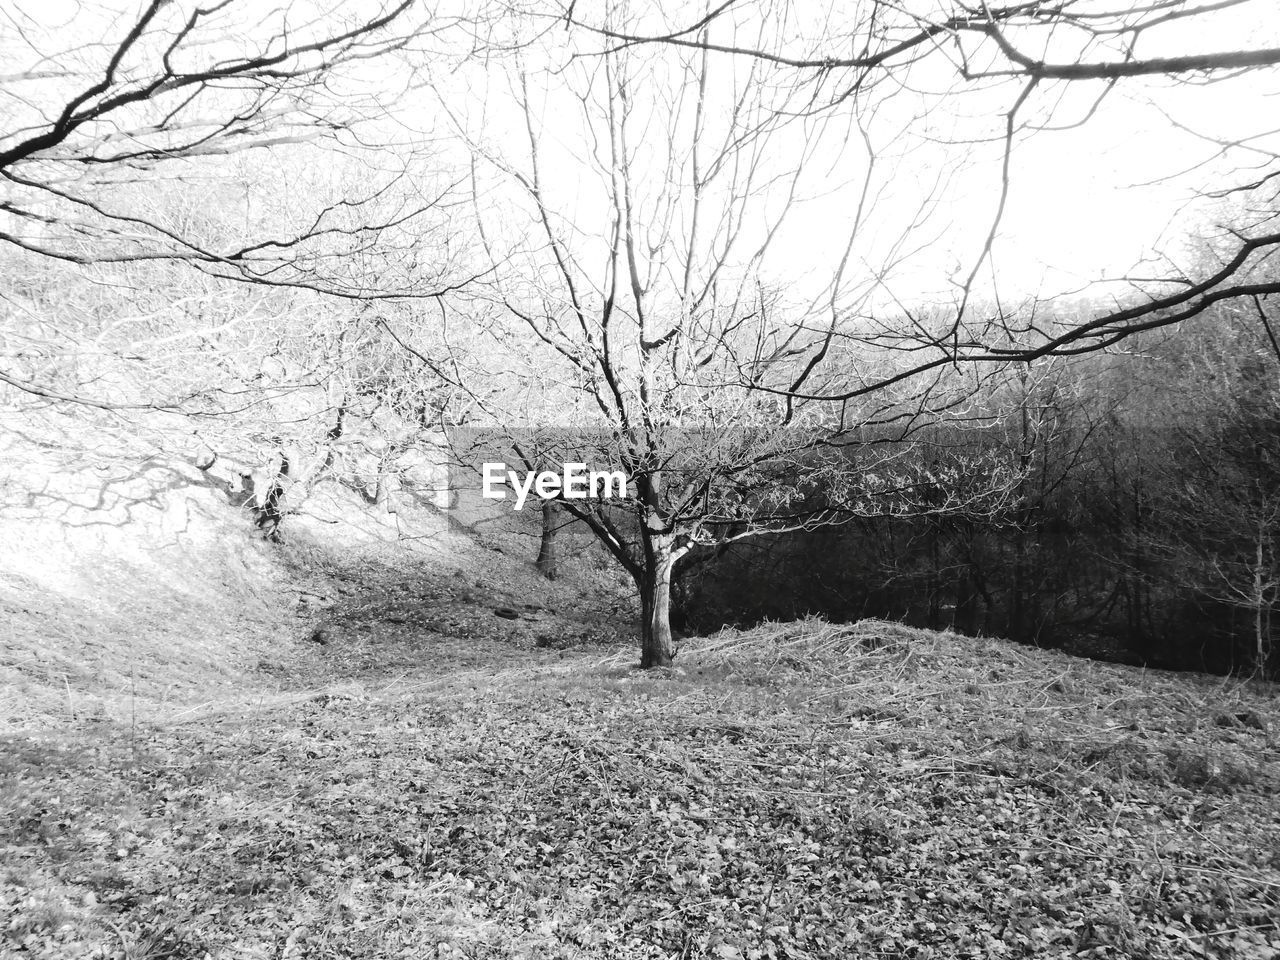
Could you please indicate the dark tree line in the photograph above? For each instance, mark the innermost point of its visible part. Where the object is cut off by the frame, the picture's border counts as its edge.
(1144, 526)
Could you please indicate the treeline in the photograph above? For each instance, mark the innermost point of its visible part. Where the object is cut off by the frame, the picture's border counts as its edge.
(1140, 523)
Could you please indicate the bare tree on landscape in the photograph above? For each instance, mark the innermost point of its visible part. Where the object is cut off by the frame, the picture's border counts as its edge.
(660, 309)
(1003, 58)
(658, 334)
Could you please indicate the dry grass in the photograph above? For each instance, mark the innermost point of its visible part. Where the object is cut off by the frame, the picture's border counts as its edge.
(853, 785)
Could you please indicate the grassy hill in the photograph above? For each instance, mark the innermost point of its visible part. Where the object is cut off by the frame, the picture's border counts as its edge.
(350, 745)
(800, 790)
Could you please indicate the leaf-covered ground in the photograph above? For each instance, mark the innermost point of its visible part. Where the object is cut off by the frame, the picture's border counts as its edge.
(801, 790)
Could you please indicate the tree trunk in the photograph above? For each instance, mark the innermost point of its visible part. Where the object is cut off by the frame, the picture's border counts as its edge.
(385, 493)
(965, 619)
(271, 513)
(546, 561)
(1259, 612)
(1017, 592)
(657, 648)
(934, 578)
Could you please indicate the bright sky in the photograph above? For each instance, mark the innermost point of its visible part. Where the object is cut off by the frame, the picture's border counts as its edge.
(1084, 204)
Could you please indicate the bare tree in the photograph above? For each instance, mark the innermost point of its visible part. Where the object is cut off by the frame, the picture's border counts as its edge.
(631, 259)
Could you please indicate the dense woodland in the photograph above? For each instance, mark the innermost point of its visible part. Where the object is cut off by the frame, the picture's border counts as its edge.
(1141, 527)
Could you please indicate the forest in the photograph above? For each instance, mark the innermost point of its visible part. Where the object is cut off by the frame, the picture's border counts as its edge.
(1137, 527)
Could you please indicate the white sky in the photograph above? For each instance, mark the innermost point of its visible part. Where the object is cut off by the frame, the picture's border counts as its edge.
(1085, 204)
(1078, 208)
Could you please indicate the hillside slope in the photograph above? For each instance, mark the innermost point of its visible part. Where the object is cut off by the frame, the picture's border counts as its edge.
(801, 790)
(134, 586)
